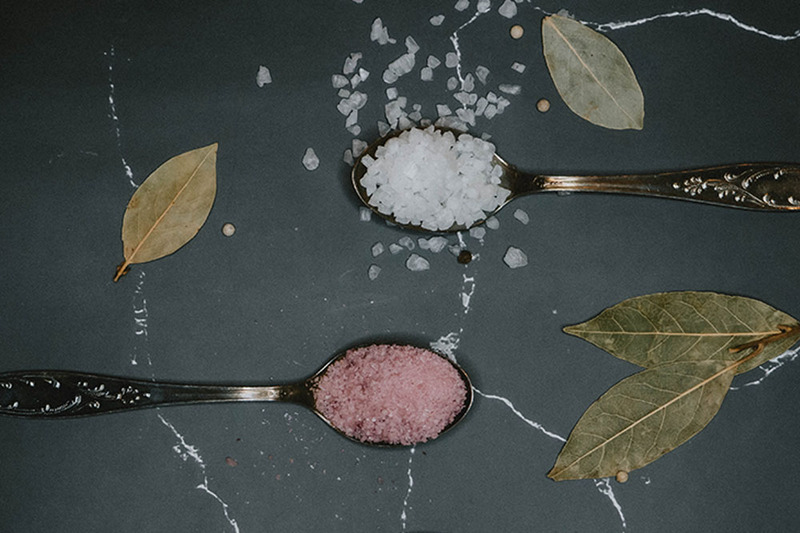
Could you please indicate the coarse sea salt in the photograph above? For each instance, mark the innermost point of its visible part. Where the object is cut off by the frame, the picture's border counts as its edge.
(515, 258)
(417, 263)
(310, 159)
(390, 394)
(433, 179)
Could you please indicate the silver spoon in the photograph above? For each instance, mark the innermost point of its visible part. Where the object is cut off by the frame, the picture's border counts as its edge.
(759, 186)
(66, 394)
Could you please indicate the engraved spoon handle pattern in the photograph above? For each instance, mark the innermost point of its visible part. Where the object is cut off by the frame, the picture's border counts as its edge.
(761, 186)
(58, 394)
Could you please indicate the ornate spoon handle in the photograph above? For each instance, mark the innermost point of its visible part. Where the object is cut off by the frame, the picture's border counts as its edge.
(765, 186)
(59, 394)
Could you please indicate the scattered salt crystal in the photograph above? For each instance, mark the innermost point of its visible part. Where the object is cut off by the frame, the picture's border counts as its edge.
(510, 89)
(358, 147)
(339, 81)
(515, 258)
(482, 73)
(415, 116)
(490, 111)
(434, 179)
(373, 272)
(519, 67)
(395, 248)
(477, 233)
(355, 80)
(480, 106)
(406, 242)
(433, 62)
(355, 129)
(404, 122)
(377, 249)
(492, 223)
(347, 157)
(452, 83)
(363, 74)
(437, 20)
(228, 229)
(310, 159)
(522, 216)
(491, 97)
(391, 394)
(417, 263)
(379, 33)
(411, 45)
(350, 63)
(434, 244)
(426, 74)
(508, 9)
(484, 6)
(461, 5)
(451, 60)
(443, 110)
(352, 118)
(263, 77)
(383, 128)
(364, 214)
(391, 93)
(469, 83)
(343, 93)
(467, 115)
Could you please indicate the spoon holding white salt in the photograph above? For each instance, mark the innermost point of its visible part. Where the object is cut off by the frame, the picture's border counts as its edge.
(382, 394)
(441, 180)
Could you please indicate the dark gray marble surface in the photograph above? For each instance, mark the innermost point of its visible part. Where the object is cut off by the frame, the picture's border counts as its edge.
(95, 96)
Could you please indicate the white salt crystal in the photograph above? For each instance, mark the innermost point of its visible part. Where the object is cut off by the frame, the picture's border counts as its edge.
(411, 45)
(443, 110)
(404, 122)
(477, 233)
(339, 81)
(452, 83)
(343, 93)
(417, 263)
(480, 106)
(437, 20)
(377, 249)
(358, 147)
(510, 89)
(416, 116)
(433, 62)
(389, 76)
(490, 111)
(482, 73)
(491, 97)
(522, 216)
(451, 60)
(348, 157)
(469, 83)
(355, 129)
(461, 5)
(426, 74)
(416, 107)
(462, 97)
(363, 74)
(434, 244)
(391, 93)
(373, 272)
(379, 33)
(519, 67)
(484, 6)
(350, 63)
(364, 214)
(263, 77)
(310, 159)
(515, 258)
(395, 248)
(355, 80)
(492, 223)
(467, 115)
(352, 118)
(358, 1)
(406, 242)
(383, 128)
(508, 9)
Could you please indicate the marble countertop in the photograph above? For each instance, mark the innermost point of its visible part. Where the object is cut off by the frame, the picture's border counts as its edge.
(94, 98)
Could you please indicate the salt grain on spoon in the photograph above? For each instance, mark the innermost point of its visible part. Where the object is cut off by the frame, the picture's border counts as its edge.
(382, 394)
(437, 179)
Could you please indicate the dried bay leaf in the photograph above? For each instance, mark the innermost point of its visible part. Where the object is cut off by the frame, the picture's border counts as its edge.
(643, 417)
(686, 326)
(169, 208)
(592, 75)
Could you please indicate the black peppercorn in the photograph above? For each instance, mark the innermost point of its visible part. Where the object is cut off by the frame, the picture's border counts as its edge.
(464, 257)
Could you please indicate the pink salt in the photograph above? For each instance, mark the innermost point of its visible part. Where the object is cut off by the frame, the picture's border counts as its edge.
(391, 394)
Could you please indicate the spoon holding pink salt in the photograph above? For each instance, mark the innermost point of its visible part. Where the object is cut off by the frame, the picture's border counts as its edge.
(382, 394)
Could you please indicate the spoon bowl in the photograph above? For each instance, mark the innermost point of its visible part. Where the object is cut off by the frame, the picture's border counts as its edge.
(756, 186)
(66, 394)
